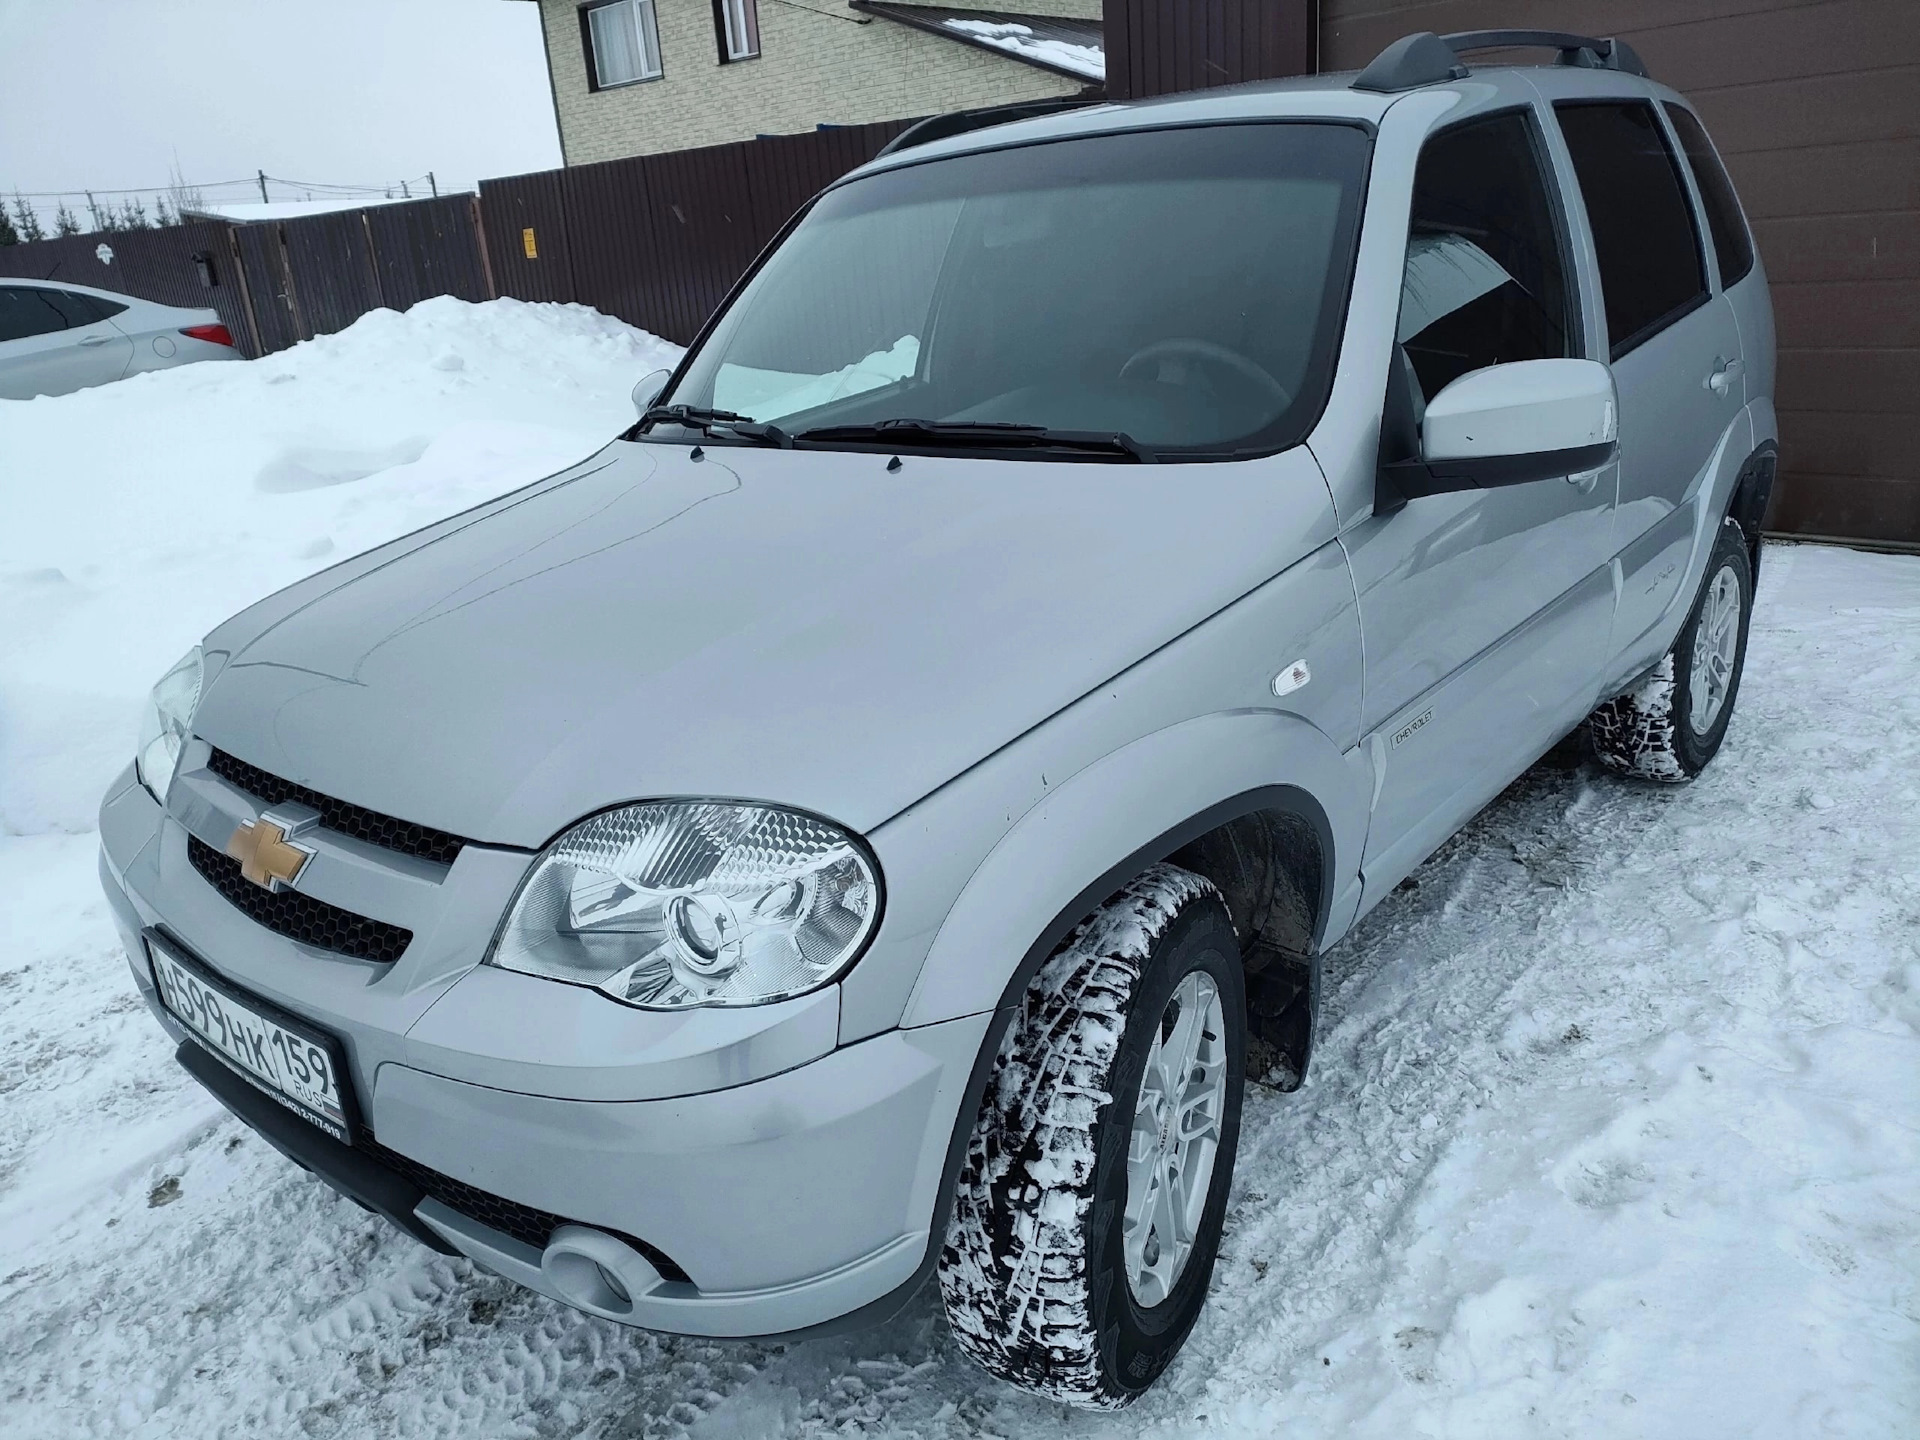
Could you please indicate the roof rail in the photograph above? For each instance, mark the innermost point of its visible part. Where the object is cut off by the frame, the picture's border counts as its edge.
(959, 122)
(1582, 51)
(1429, 59)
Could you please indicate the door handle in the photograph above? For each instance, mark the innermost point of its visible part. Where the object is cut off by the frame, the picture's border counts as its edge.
(1723, 376)
(96, 339)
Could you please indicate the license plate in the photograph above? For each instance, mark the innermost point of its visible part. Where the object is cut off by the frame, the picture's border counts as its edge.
(298, 1066)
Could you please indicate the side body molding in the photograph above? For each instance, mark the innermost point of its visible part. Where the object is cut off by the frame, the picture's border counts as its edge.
(1101, 826)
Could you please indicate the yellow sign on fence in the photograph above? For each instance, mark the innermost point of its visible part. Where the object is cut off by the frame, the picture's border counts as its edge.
(526, 244)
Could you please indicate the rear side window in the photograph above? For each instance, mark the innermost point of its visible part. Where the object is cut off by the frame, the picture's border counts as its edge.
(93, 307)
(80, 309)
(25, 311)
(1731, 244)
(1486, 279)
(1643, 228)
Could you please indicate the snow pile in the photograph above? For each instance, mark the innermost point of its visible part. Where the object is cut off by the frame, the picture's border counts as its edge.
(140, 514)
(1613, 1127)
(1087, 60)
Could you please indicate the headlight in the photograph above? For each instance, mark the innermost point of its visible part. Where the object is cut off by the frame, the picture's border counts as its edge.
(676, 904)
(167, 723)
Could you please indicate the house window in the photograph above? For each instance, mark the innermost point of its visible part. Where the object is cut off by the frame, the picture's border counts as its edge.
(738, 23)
(623, 43)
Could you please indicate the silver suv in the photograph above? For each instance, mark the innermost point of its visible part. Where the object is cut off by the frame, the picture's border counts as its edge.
(857, 827)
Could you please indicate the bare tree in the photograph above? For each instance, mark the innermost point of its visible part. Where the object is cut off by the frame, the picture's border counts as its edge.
(185, 197)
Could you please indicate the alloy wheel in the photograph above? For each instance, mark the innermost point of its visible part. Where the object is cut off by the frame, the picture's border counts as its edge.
(1716, 643)
(1175, 1138)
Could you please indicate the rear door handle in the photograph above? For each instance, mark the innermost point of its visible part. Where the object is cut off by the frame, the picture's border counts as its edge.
(96, 339)
(1723, 376)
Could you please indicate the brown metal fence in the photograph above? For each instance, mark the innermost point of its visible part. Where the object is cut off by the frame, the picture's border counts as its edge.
(189, 265)
(1157, 47)
(656, 240)
(524, 225)
(275, 283)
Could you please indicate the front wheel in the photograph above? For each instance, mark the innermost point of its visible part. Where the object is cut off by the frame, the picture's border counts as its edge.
(1095, 1182)
(1671, 724)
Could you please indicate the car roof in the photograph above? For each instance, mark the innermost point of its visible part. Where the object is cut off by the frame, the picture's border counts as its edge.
(33, 283)
(1324, 97)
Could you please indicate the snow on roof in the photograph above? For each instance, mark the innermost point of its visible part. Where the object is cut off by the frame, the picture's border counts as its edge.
(241, 212)
(1062, 44)
(1087, 60)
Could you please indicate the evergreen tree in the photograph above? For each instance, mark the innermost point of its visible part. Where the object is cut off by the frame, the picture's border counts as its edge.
(133, 214)
(163, 216)
(65, 222)
(26, 221)
(7, 233)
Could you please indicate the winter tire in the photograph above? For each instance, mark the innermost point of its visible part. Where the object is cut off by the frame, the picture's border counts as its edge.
(1669, 726)
(1095, 1182)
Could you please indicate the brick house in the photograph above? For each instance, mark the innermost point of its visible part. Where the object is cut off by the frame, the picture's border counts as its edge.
(635, 77)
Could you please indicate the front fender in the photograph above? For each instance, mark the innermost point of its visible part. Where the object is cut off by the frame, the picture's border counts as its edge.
(1101, 826)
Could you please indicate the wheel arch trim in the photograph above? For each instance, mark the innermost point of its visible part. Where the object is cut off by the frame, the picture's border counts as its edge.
(1114, 818)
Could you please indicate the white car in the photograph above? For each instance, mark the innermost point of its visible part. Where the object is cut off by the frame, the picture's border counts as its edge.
(56, 337)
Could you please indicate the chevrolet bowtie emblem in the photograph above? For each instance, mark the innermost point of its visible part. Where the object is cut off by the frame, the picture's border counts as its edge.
(266, 856)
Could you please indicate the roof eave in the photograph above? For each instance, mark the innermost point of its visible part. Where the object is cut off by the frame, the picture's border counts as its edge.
(961, 37)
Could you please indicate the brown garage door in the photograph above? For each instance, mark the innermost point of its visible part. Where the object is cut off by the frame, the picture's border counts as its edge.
(1817, 110)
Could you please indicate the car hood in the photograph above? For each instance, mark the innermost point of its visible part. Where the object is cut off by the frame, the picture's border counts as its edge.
(803, 627)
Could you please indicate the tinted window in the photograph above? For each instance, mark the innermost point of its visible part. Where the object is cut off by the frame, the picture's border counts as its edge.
(1731, 244)
(25, 312)
(1185, 286)
(1643, 227)
(96, 306)
(79, 310)
(1486, 279)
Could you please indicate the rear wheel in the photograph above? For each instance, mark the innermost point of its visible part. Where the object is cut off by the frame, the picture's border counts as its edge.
(1095, 1183)
(1671, 724)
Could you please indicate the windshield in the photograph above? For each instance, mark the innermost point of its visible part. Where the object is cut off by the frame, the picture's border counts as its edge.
(1181, 287)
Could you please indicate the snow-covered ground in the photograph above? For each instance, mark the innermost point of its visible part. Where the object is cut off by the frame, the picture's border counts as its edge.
(1614, 1128)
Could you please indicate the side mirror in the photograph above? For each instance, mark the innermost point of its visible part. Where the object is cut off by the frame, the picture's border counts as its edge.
(647, 389)
(1513, 424)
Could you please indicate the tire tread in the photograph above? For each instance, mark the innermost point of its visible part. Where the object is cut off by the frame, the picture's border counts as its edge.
(1015, 1278)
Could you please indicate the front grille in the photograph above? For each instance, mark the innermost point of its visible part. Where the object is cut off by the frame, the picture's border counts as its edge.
(524, 1223)
(354, 821)
(296, 916)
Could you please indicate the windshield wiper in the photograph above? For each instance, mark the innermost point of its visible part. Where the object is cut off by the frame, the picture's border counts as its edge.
(726, 422)
(985, 434)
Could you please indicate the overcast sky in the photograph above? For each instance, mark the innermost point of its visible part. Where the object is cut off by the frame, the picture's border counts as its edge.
(105, 94)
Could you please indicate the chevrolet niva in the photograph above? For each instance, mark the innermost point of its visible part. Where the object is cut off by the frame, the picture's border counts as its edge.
(854, 828)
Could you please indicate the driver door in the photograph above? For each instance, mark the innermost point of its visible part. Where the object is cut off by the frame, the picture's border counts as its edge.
(1485, 613)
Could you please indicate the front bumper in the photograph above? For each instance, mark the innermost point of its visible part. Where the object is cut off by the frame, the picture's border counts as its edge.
(785, 1200)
